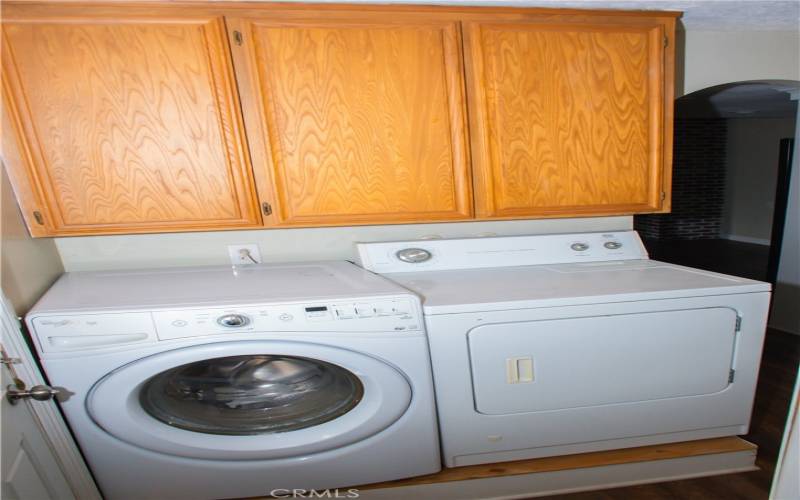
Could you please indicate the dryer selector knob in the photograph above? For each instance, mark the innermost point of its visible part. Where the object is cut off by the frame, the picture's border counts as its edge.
(413, 255)
(233, 320)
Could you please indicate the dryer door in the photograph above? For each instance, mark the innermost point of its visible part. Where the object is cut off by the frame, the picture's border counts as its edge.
(249, 400)
(558, 364)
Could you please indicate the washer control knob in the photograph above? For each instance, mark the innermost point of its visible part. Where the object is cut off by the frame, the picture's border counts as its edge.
(413, 255)
(233, 320)
(579, 247)
(612, 245)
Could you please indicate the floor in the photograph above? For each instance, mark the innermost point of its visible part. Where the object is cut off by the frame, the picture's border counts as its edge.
(779, 366)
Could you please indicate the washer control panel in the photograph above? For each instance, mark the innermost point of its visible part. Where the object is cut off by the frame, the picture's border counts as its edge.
(367, 315)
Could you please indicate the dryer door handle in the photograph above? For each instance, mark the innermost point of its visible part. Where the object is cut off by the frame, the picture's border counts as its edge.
(519, 370)
(81, 341)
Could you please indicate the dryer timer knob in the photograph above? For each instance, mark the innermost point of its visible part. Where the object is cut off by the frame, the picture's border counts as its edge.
(233, 320)
(413, 255)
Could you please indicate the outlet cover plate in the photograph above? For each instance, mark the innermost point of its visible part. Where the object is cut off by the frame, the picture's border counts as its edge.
(237, 259)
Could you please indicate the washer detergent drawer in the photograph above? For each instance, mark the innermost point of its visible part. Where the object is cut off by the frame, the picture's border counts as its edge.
(536, 366)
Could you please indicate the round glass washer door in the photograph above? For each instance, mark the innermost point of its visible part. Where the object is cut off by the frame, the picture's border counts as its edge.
(251, 394)
(249, 400)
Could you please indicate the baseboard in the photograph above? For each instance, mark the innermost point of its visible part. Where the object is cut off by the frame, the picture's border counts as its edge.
(746, 239)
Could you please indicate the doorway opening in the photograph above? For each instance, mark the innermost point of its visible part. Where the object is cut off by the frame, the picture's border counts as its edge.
(733, 150)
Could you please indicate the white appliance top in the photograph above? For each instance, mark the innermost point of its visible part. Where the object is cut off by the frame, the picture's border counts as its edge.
(94, 311)
(483, 274)
(211, 286)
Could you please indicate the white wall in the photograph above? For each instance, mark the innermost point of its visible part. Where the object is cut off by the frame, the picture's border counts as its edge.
(716, 57)
(752, 154)
(785, 314)
(27, 266)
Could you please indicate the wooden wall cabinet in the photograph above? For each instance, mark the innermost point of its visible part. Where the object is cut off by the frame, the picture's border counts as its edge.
(132, 119)
(359, 118)
(124, 124)
(570, 116)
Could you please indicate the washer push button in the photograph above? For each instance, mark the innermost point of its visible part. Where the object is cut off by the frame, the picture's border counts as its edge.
(365, 310)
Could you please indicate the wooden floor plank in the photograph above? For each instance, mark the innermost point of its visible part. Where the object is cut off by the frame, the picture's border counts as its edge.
(580, 461)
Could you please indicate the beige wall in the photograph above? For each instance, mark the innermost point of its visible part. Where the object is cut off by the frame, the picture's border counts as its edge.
(715, 57)
(751, 174)
(284, 245)
(27, 266)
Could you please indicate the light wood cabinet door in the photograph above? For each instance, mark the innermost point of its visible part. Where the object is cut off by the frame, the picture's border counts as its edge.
(360, 118)
(124, 123)
(569, 117)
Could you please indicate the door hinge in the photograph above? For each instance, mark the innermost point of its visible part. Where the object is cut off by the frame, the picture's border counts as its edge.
(666, 42)
(738, 323)
(731, 376)
(663, 195)
(237, 37)
(266, 208)
(39, 219)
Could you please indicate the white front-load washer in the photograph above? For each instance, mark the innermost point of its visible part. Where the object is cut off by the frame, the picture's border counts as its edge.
(571, 343)
(222, 382)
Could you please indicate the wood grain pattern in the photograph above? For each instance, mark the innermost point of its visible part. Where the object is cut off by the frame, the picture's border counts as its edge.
(566, 118)
(364, 120)
(132, 123)
(579, 461)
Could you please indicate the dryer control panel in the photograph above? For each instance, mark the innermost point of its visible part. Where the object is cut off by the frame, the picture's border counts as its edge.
(499, 251)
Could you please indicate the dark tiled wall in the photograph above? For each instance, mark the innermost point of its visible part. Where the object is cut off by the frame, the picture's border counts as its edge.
(698, 184)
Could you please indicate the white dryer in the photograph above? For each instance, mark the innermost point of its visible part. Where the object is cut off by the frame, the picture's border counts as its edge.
(225, 382)
(571, 343)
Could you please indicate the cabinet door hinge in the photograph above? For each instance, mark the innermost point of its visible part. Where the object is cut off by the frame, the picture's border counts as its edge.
(731, 376)
(39, 219)
(266, 208)
(666, 42)
(663, 195)
(738, 323)
(237, 37)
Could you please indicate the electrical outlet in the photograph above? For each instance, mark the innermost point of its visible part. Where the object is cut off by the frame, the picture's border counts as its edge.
(241, 254)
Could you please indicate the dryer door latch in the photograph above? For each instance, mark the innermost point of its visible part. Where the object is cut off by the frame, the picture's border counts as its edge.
(519, 370)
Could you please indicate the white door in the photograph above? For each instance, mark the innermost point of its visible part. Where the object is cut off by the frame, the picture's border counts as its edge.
(39, 458)
(29, 468)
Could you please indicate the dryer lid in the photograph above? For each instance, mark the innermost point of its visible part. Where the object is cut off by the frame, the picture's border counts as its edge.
(515, 272)
(474, 290)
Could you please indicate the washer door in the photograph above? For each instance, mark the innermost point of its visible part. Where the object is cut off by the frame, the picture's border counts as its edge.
(249, 400)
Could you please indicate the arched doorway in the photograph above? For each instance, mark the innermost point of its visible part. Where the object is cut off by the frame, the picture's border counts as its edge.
(731, 171)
